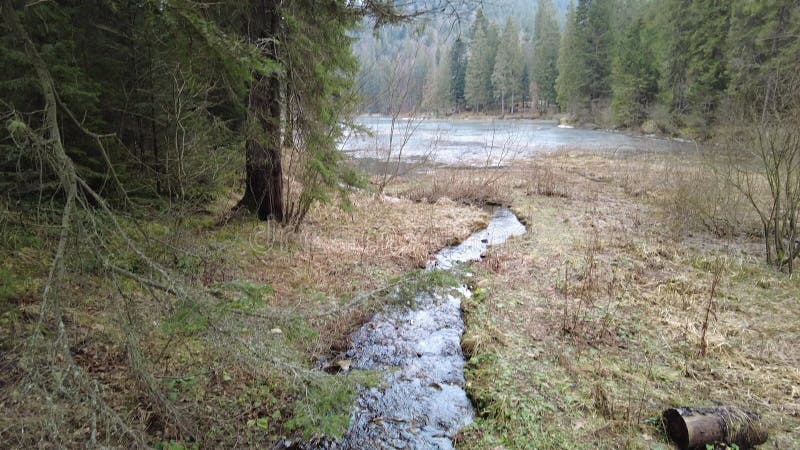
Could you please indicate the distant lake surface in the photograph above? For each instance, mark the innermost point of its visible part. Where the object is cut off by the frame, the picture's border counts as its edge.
(485, 141)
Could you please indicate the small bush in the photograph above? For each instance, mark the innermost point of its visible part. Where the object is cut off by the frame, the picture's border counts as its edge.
(697, 196)
(544, 181)
(468, 186)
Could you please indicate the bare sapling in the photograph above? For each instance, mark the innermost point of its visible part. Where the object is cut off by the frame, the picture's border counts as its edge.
(585, 292)
(403, 120)
(711, 306)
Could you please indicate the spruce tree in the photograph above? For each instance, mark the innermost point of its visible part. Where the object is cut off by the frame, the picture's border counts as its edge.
(437, 86)
(492, 44)
(568, 80)
(697, 74)
(594, 43)
(478, 70)
(634, 78)
(546, 39)
(707, 71)
(525, 84)
(764, 50)
(480, 23)
(458, 71)
(508, 67)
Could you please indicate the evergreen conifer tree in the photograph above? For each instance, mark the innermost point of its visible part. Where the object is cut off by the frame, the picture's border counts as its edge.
(508, 67)
(546, 40)
(634, 78)
(569, 68)
(478, 70)
(458, 72)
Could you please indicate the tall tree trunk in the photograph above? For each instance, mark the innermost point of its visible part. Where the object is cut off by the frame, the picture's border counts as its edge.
(159, 166)
(264, 185)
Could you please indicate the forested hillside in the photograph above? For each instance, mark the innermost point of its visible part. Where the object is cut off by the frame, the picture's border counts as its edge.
(670, 66)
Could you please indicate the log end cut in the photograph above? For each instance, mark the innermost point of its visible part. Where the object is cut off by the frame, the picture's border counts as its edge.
(693, 428)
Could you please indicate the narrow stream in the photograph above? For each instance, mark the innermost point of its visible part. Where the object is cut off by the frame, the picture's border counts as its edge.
(422, 402)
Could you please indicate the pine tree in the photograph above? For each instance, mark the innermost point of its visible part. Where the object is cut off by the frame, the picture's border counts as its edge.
(508, 67)
(546, 40)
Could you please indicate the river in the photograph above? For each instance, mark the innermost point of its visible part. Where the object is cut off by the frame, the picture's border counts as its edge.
(485, 142)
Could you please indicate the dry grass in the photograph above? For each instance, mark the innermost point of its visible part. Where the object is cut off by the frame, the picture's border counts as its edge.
(602, 313)
(338, 252)
(471, 186)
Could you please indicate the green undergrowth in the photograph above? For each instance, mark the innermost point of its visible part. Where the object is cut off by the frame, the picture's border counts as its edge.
(227, 329)
(519, 390)
(422, 281)
(233, 364)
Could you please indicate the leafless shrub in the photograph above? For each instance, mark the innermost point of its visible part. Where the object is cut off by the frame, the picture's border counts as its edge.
(480, 181)
(764, 158)
(469, 186)
(711, 306)
(695, 194)
(581, 316)
(544, 181)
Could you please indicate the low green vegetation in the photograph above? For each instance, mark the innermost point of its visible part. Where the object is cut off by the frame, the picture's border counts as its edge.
(234, 360)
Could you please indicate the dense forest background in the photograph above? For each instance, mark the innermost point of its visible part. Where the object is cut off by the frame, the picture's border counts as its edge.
(669, 65)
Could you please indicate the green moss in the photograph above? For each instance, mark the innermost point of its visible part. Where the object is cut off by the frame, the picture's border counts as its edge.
(11, 286)
(324, 408)
(426, 281)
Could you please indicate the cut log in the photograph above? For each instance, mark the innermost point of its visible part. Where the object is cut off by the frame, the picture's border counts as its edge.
(692, 428)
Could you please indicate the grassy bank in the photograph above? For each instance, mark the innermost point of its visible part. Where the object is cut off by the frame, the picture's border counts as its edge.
(222, 349)
(586, 328)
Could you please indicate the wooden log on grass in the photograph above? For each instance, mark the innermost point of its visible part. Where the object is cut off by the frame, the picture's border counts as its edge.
(692, 428)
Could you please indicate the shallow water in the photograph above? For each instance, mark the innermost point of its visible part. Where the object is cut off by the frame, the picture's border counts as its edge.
(421, 403)
(488, 142)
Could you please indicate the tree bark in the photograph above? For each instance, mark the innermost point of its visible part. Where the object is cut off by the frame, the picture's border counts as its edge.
(264, 184)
